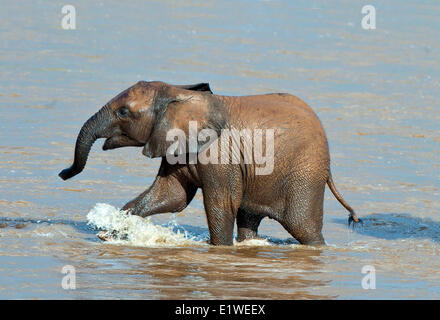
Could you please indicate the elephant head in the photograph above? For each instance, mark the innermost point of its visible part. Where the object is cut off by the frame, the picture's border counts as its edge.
(140, 116)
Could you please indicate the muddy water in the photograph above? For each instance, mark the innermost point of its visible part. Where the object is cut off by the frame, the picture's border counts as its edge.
(377, 93)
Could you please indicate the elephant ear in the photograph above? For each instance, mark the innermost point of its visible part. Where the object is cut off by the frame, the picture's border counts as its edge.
(180, 116)
(196, 87)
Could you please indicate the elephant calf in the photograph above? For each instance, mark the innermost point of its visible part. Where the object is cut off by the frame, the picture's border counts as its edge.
(291, 191)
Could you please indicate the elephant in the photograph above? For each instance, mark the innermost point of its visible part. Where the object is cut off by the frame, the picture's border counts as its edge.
(292, 193)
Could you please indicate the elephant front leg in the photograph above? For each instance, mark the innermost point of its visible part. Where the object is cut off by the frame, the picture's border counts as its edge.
(166, 194)
(221, 210)
(221, 225)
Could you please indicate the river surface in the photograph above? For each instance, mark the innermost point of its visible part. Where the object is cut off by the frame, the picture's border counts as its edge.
(377, 93)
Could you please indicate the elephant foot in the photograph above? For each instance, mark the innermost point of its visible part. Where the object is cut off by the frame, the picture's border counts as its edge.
(247, 235)
(315, 240)
(103, 235)
(129, 205)
(106, 235)
(251, 238)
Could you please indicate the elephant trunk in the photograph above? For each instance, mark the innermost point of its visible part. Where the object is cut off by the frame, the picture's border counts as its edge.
(94, 128)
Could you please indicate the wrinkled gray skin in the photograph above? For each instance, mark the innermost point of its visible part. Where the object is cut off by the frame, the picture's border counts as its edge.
(292, 194)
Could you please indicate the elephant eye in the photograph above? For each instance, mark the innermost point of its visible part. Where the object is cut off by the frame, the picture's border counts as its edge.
(123, 111)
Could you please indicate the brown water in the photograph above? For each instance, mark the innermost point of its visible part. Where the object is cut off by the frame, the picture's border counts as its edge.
(377, 93)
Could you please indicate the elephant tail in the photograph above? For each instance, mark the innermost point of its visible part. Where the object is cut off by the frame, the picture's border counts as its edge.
(352, 217)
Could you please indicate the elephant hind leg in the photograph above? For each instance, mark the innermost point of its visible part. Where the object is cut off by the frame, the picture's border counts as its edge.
(309, 235)
(304, 213)
(247, 224)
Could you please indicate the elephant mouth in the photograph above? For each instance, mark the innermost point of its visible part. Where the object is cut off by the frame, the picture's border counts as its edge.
(119, 141)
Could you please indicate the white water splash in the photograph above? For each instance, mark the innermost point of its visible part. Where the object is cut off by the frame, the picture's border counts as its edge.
(123, 228)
